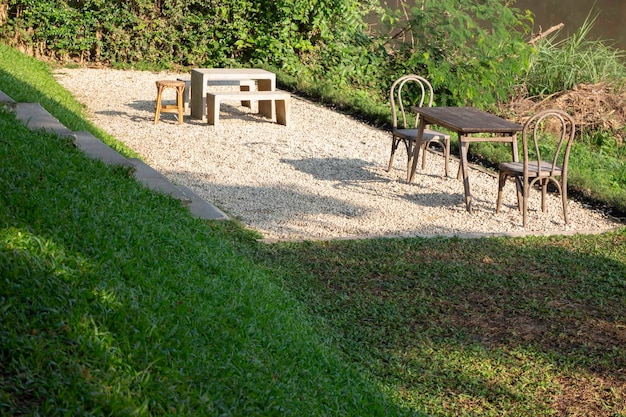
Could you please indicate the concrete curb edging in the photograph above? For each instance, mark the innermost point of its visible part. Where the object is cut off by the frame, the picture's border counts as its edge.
(35, 117)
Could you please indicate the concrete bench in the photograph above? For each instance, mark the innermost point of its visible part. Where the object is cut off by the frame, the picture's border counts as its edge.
(281, 99)
(244, 85)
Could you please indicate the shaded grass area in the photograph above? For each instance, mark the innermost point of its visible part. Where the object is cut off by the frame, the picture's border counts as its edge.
(490, 327)
(114, 300)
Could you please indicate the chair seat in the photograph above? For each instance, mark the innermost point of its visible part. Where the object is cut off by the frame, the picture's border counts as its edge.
(405, 126)
(539, 173)
(517, 168)
(411, 134)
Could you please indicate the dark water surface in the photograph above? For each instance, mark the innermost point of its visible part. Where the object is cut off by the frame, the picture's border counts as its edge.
(610, 25)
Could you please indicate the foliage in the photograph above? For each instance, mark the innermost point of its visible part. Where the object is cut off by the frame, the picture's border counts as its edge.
(560, 65)
(307, 40)
(472, 52)
(194, 32)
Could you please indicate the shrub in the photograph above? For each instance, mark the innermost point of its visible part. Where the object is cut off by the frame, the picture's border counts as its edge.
(472, 52)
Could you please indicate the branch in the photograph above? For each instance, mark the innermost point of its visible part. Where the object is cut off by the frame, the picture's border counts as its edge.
(546, 33)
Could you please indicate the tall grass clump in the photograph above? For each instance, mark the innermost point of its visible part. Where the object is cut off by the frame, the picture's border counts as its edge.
(560, 65)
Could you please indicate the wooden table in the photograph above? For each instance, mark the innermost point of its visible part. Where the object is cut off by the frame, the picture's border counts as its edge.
(466, 121)
(200, 77)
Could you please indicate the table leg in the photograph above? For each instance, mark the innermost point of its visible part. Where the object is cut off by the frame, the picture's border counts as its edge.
(464, 145)
(518, 184)
(415, 152)
(514, 148)
(198, 94)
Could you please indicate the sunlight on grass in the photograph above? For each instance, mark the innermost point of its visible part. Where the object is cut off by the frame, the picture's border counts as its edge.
(116, 301)
(445, 379)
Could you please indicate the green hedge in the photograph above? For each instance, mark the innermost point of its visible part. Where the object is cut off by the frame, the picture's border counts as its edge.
(162, 33)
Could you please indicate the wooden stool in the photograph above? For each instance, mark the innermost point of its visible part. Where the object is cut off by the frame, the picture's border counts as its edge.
(170, 108)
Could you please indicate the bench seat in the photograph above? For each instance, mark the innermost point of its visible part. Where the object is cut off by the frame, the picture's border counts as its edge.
(281, 99)
(244, 85)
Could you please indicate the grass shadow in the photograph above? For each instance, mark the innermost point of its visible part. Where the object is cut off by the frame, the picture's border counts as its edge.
(522, 326)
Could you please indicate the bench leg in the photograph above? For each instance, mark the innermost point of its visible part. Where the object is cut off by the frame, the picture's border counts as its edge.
(186, 93)
(212, 109)
(282, 111)
(265, 108)
(245, 103)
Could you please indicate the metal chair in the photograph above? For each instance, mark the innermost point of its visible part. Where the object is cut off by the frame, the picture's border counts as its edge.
(406, 92)
(546, 139)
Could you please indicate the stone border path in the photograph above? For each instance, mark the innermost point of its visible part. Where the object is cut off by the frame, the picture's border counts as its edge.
(35, 117)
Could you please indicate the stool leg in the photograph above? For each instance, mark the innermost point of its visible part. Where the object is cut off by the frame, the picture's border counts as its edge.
(180, 103)
(157, 111)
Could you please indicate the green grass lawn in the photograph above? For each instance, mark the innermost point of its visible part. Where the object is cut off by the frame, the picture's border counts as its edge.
(114, 300)
(489, 327)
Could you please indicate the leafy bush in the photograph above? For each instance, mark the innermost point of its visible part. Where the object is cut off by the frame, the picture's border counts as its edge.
(472, 52)
(165, 33)
(467, 49)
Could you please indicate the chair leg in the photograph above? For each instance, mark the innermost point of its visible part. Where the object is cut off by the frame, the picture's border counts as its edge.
(501, 182)
(519, 188)
(394, 146)
(180, 103)
(446, 156)
(564, 199)
(424, 150)
(525, 189)
(544, 193)
(410, 148)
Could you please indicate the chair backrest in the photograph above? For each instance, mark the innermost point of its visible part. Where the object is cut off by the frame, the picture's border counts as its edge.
(557, 125)
(406, 92)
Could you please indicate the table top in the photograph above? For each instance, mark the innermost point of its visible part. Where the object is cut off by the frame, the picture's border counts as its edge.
(235, 73)
(465, 120)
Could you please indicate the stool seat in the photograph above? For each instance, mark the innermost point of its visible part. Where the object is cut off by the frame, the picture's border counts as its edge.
(179, 86)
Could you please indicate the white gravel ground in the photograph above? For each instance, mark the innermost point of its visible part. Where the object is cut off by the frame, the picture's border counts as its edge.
(322, 177)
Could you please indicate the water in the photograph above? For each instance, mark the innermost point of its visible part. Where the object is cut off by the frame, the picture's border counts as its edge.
(572, 14)
(609, 24)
